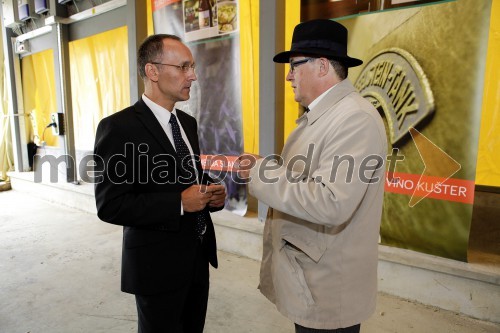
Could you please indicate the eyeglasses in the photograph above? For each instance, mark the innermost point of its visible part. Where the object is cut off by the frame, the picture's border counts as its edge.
(294, 64)
(184, 68)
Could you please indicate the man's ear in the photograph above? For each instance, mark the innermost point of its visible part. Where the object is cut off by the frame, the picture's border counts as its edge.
(324, 67)
(151, 72)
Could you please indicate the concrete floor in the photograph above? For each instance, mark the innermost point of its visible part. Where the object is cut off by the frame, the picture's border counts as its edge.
(59, 273)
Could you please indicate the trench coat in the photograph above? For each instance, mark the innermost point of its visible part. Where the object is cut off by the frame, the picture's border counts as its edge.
(325, 192)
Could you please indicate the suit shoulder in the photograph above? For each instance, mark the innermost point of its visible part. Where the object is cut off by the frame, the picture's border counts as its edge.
(125, 113)
(185, 116)
(120, 119)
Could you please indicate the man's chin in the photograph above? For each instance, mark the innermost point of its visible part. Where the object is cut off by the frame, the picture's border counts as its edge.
(184, 97)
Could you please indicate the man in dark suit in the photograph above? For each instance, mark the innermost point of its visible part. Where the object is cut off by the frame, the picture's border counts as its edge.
(149, 180)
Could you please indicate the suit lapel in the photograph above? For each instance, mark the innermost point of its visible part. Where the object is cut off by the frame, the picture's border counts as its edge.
(190, 133)
(148, 119)
(192, 136)
(150, 122)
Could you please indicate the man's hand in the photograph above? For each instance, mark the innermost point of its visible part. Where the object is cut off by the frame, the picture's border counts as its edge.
(244, 164)
(195, 198)
(218, 197)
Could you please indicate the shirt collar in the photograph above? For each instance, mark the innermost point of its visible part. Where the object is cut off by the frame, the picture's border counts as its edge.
(162, 114)
(320, 97)
(325, 101)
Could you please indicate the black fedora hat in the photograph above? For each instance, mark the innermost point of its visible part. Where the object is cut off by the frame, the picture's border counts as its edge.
(323, 38)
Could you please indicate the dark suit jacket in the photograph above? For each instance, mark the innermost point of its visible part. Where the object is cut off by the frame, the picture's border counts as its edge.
(138, 187)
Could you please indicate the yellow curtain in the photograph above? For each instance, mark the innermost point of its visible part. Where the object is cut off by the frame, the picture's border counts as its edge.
(6, 157)
(249, 49)
(488, 159)
(39, 96)
(99, 81)
(291, 108)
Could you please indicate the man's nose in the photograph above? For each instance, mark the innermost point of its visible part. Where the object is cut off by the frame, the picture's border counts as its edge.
(192, 75)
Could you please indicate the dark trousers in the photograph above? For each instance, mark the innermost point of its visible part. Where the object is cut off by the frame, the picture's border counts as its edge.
(350, 329)
(181, 310)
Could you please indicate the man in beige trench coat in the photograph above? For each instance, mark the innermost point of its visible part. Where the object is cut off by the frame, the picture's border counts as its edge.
(319, 264)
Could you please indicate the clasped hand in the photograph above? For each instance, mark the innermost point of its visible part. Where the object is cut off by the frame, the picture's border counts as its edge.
(197, 197)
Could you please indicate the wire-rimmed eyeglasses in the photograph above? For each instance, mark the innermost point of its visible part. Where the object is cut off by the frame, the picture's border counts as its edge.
(184, 68)
(294, 64)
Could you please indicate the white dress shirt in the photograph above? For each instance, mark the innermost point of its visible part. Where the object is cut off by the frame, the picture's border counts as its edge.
(163, 116)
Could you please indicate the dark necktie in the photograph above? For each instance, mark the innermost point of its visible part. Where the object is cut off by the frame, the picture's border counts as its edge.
(187, 165)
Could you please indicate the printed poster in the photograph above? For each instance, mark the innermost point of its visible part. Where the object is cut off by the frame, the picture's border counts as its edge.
(423, 70)
(211, 30)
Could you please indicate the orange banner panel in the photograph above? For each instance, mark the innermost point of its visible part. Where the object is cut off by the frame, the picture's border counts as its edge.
(421, 186)
(218, 162)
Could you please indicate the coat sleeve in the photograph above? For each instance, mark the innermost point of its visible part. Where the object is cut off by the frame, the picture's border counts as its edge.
(330, 194)
(119, 202)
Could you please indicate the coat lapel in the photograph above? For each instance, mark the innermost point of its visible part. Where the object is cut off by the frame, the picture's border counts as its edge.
(150, 122)
(192, 136)
(341, 90)
(190, 133)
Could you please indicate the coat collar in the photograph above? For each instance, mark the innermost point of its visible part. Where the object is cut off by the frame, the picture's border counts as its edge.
(150, 122)
(192, 135)
(341, 90)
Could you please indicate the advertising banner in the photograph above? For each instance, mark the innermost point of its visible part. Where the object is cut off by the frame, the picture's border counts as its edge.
(424, 71)
(211, 30)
